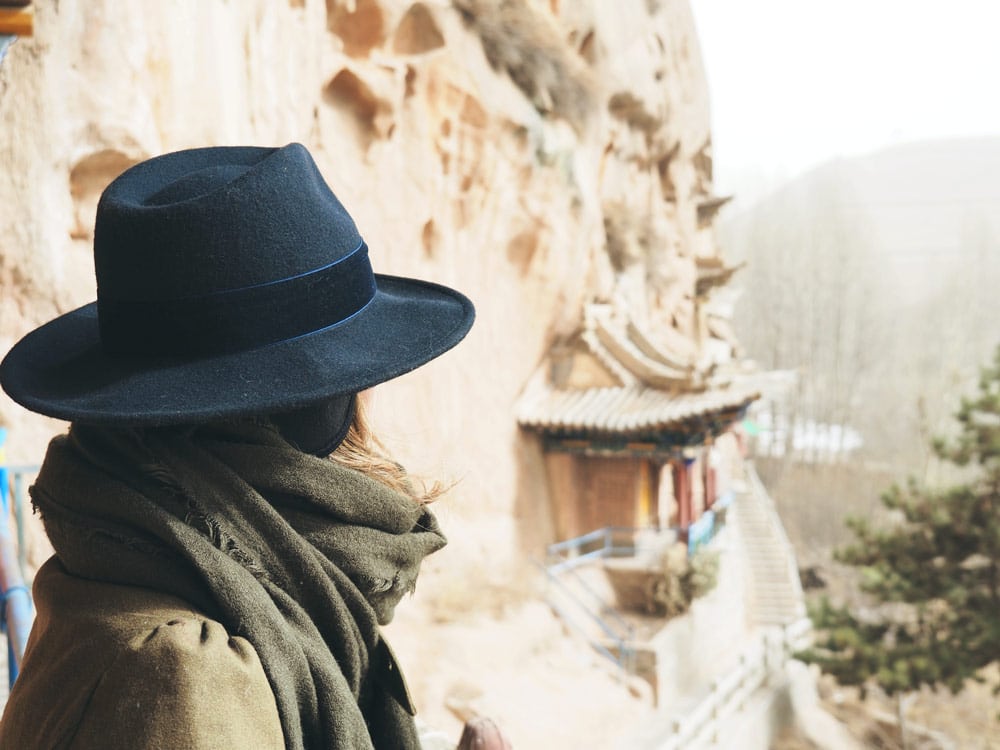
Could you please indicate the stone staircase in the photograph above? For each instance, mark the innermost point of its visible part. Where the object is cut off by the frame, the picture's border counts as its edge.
(774, 586)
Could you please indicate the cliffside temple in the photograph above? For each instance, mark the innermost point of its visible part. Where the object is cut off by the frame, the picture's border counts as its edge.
(631, 441)
(552, 160)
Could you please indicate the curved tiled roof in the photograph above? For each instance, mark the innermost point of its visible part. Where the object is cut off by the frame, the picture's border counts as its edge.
(618, 344)
(628, 409)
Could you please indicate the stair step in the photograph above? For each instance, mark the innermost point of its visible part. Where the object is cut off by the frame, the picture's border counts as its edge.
(773, 621)
(776, 606)
(776, 618)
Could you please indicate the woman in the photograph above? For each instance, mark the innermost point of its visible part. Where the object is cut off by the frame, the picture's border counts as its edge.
(218, 581)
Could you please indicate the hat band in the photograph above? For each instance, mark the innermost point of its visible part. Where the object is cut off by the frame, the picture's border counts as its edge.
(240, 319)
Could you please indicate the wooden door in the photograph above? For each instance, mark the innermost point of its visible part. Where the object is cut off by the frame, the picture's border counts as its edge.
(609, 492)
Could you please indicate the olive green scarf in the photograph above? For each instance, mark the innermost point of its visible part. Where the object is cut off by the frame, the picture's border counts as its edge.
(302, 557)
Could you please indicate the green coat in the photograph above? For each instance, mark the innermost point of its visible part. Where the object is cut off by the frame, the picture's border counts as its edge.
(112, 667)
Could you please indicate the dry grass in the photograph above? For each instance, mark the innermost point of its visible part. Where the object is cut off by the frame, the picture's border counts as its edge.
(527, 45)
(630, 109)
(967, 721)
(970, 718)
(815, 500)
(629, 235)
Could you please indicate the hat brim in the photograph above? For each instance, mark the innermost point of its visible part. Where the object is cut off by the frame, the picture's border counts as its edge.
(61, 370)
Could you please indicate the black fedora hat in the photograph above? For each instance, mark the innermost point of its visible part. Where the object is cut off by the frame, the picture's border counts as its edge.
(230, 281)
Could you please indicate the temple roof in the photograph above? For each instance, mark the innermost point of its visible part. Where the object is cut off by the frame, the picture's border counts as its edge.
(709, 206)
(625, 350)
(713, 272)
(626, 409)
(622, 376)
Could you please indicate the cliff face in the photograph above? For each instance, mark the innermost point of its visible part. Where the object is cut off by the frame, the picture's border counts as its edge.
(536, 155)
(485, 145)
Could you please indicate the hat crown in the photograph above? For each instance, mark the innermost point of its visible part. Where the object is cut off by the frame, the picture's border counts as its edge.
(202, 221)
(222, 249)
(196, 184)
(231, 281)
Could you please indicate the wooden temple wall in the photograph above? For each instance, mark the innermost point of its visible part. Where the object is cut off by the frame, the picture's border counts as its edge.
(591, 492)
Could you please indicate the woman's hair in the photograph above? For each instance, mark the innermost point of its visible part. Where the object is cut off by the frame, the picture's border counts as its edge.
(363, 451)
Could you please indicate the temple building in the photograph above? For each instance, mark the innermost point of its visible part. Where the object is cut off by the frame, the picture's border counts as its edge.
(639, 411)
(632, 436)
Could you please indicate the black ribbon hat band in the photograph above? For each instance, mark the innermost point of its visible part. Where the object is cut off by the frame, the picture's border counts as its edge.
(240, 319)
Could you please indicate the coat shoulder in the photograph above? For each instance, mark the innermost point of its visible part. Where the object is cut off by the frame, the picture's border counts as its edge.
(184, 683)
(120, 667)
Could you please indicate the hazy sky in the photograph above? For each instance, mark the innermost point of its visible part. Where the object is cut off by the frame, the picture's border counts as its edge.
(797, 82)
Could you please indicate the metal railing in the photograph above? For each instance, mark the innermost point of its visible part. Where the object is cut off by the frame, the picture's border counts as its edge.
(608, 542)
(598, 544)
(618, 646)
(729, 693)
(580, 601)
(16, 609)
(701, 532)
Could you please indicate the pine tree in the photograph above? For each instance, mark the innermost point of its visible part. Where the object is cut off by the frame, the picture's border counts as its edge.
(933, 577)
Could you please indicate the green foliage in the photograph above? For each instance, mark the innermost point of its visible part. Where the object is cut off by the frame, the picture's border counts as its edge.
(702, 574)
(672, 592)
(933, 576)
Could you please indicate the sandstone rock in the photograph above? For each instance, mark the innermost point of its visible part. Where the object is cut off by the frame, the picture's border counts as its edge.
(459, 163)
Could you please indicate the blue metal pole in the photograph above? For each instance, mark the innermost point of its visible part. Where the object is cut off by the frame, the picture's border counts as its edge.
(15, 599)
(18, 502)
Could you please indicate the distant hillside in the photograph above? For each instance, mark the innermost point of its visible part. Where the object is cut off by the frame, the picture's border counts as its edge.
(929, 207)
(877, 278)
